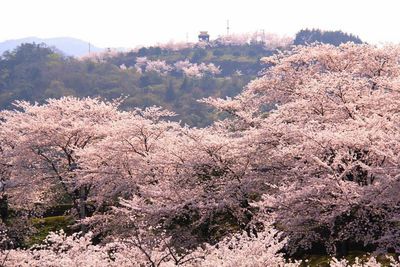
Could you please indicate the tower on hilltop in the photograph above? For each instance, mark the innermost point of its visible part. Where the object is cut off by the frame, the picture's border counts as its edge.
(204, 36)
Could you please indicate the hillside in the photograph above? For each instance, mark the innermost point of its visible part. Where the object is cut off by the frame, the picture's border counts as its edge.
(336, 38)
(36, 72)
(173, 76)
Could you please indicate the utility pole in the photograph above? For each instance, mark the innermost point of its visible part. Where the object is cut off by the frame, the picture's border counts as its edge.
(263, 36)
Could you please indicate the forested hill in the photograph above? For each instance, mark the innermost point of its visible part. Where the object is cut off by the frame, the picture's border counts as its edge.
(173, 77)
(336, 38)
(150, 76)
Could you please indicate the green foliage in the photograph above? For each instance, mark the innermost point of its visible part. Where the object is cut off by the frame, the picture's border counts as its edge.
(46, 225)
(324, 260)
(336, 38)
(198, 55)
(35, 72)
(58, 210)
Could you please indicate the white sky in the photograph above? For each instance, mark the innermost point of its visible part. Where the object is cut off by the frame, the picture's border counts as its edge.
(124, 23)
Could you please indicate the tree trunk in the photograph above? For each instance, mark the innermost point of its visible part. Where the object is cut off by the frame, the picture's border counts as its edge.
(82, 206)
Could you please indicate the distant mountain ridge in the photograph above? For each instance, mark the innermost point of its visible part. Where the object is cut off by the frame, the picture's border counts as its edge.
(67, 45)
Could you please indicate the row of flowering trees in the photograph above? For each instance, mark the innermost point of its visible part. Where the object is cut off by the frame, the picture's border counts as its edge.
(318, 171)
(269, 40)
(189, 69)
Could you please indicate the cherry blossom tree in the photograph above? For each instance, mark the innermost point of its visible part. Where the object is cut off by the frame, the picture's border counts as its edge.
(269, 40)
(140, 64)
(182, 177)
(306, 157)
(196, 70)
(89, 151)
(175, 45)
(158, 66)
(42, 143)
(239, 250)
(78, 250)
(328, 146)
(187, 68)
(129, 157)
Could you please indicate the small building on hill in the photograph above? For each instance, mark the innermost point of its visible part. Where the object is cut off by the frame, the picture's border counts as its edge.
(204, 36)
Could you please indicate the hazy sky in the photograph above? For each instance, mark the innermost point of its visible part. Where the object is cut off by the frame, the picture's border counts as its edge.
(123, 23)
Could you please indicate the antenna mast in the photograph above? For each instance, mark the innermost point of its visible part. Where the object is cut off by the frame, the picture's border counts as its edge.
(263, 36)
(227, 27)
